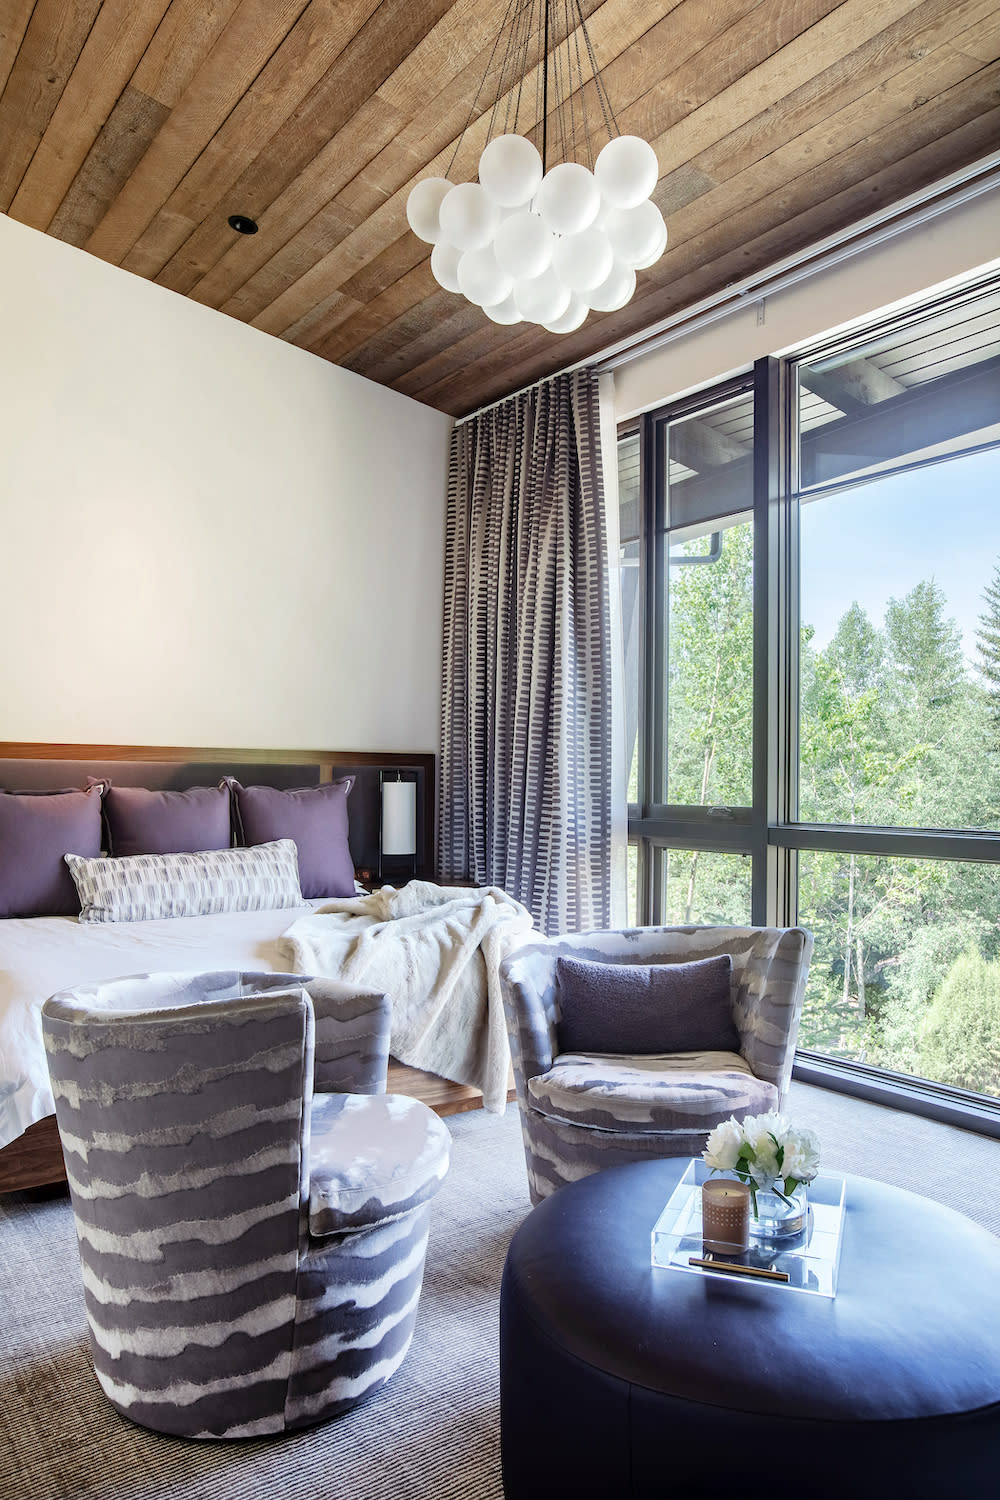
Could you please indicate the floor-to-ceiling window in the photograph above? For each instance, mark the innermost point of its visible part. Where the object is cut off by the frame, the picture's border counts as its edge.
(811, 600)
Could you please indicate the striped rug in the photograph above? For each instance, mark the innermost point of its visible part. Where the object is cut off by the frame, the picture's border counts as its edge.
(433, 1433)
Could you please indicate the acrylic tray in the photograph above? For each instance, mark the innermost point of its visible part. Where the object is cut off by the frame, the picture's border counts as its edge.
(810, 1260)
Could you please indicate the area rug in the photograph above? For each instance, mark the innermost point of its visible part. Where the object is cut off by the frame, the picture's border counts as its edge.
(433, 1433)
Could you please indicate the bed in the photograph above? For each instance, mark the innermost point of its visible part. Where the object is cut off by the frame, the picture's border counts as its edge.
(40, 954)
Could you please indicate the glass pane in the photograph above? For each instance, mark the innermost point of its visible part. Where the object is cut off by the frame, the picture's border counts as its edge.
(906, 970)
(710, 670)
(709, 463)
(907, 395)
(702, 887)
(629, 525)
(632, 886)
(900, 650)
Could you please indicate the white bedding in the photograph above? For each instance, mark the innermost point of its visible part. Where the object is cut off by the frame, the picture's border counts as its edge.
(40, 955)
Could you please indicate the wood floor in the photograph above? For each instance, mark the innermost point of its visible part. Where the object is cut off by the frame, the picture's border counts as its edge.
(35, 1159)
(443, 1096)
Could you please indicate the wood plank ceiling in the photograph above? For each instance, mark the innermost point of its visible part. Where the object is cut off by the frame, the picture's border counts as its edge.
(134, 128)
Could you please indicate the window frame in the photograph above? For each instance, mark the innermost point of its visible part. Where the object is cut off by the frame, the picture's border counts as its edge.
(770, 830)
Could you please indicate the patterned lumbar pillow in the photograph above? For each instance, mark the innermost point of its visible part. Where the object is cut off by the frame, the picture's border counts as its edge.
(141, 887)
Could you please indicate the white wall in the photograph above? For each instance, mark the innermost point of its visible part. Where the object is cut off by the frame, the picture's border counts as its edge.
(209, 537)
(955, 243)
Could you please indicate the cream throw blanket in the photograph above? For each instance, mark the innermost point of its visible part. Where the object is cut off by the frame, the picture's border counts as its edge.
(435, 951)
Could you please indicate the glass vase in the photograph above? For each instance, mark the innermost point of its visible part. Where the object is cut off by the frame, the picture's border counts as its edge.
(778, 1219)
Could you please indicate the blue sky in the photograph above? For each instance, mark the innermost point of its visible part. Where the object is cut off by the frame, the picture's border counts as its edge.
(875, 543)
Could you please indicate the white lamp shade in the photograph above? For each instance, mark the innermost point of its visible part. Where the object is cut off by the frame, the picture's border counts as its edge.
(543, 298)
(615, 291)
(634, 232)
(504, 312)
(655, 253)
(574, 315)
(626, 171)
(524, 244)
(569, 198)
(583, 260)
(468, 216)
(423, 208)
(481, 279)
(399, 817)
(444, 264)
(510, 170)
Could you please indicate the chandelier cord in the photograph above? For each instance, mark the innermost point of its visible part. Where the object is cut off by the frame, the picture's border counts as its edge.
(479, 90)
(602, 92)
(545, 92)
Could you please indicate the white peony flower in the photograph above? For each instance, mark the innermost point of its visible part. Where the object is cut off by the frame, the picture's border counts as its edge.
(763, 1133)
(723, 1146)
(801, 1159)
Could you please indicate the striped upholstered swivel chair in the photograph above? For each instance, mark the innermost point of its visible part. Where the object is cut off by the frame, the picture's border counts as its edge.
(586, 1109)
(252, 1250)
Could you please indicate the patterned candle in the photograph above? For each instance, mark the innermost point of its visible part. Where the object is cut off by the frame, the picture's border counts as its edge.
(725, 1216)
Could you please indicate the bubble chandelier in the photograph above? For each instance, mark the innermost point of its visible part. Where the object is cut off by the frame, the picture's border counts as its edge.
(538, 244)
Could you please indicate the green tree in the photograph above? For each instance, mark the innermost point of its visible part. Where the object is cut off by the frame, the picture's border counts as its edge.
(710, 691)
(959, 1039)
(988, 647)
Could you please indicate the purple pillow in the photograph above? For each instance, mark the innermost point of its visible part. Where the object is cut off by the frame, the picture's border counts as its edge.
(641, 1009)
(144, 822)
(315, 817)
(36, 830)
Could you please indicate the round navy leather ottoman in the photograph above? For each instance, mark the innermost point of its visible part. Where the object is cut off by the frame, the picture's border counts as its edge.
(619, 1379)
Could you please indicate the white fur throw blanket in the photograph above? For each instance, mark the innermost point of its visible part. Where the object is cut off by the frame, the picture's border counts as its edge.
(435, 951)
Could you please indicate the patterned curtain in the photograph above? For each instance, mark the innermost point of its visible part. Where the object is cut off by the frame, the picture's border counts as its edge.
(526, 773)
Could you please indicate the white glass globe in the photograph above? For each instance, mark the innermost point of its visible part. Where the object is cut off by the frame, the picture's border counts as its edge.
(468, 216)
(633, 232)
(655, 253)
(504, 312)
(583, 260)
(615, 291)
(540, 299)
(423, 205)
(574, 315)
(524, 244)
(444, 263)
(510, 170)
(626, 171)
(569, 198)
(481, 279)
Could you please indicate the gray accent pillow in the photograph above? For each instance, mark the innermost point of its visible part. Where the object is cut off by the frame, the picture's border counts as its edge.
(144, 887)
(642, 1009)
(160, 822)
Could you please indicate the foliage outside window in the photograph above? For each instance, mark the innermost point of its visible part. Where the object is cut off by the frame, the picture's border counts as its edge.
(877, 814)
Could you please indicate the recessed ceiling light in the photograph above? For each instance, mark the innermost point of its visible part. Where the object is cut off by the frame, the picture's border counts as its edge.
(243, 224)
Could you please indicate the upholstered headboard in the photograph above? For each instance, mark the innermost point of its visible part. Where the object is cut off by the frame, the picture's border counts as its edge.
(39, 767)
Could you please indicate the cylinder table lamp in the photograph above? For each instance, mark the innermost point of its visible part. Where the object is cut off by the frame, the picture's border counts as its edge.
(398, 831)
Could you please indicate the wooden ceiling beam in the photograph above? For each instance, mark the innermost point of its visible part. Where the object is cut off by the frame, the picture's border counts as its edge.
(732, 19)
(118, 38)
(386, 40)
(778, 167)
(243, 284)
(46, 56)
(187, 33)
(849, 79)
(13, 24)
(252, 35)
(759, 236)
(385, 224)
(774, 168)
